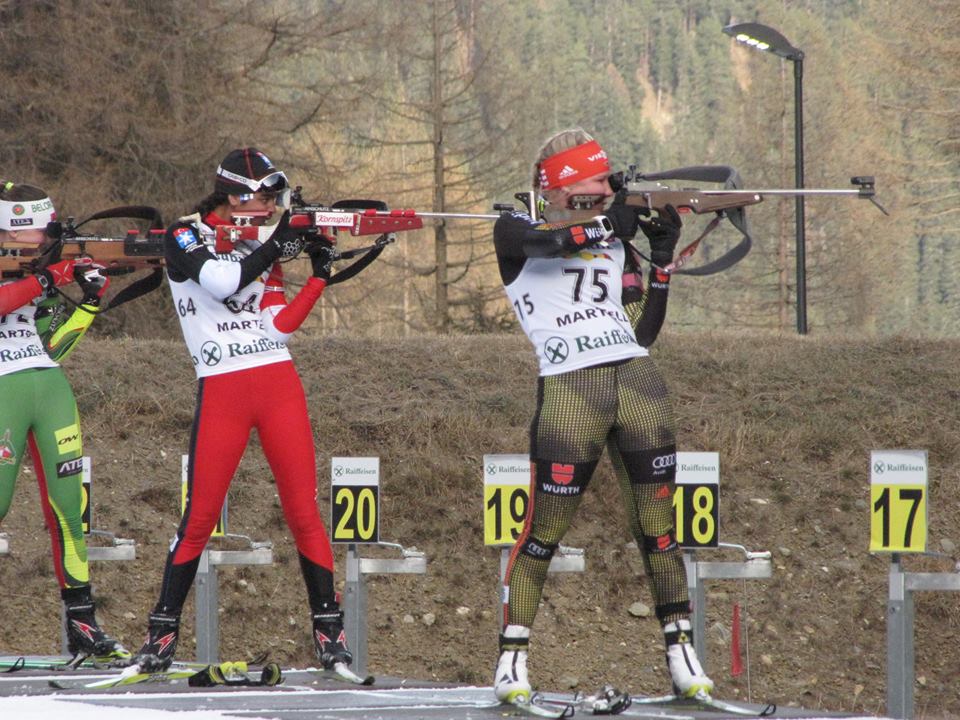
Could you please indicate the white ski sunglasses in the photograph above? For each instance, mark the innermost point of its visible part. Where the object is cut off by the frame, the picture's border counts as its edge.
(274, 182)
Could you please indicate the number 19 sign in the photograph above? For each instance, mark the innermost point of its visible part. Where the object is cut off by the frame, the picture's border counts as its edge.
(506, 492)
(898, 501)
(355, 499)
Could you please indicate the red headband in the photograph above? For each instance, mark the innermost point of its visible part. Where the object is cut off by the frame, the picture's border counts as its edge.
(573, 165)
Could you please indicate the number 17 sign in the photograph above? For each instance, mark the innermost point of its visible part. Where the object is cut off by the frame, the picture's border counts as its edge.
(898, 501)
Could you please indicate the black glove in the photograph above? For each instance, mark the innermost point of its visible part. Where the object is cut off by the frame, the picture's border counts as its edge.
(662, 231)
(92, 282)
(623, 217)
(322, 255)
(288, 240)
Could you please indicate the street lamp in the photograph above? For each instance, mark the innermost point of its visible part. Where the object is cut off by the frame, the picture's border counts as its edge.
(767, 39)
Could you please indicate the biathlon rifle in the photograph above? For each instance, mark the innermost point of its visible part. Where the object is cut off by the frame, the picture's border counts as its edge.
(645, 191)
(118, 255)
(356, 217)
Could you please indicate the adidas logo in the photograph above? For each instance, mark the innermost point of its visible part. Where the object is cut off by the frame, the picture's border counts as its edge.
(566, 172)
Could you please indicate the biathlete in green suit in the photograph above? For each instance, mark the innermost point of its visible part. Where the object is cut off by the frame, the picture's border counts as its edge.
(38, 410)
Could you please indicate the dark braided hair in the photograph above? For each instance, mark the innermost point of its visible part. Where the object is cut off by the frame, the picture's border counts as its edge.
(210, 203)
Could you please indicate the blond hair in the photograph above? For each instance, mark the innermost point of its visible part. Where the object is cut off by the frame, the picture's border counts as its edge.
(558, 142)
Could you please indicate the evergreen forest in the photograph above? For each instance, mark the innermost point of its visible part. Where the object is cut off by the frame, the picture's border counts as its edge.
(441, 105)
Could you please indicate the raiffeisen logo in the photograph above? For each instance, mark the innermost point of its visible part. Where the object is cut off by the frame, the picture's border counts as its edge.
(902, 467)
(697, 467)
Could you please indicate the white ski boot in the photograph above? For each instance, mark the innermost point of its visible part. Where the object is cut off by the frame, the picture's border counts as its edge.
(687, 675)
(510, 683)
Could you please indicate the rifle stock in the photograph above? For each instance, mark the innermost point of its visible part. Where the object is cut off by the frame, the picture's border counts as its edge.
(119, 255)
(654, 196)
(649, 194)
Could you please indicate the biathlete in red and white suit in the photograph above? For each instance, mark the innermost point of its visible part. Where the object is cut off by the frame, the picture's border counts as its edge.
(236, 322)
(576, 290)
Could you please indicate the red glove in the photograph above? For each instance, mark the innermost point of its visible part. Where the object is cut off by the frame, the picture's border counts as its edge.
(57, 274)
(61, 273)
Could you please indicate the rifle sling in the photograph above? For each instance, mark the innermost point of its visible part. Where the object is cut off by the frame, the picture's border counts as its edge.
(139, 287)
(737, 217)
(356, 267)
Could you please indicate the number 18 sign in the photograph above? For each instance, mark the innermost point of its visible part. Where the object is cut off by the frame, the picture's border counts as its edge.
(898, 501)
(696, 500)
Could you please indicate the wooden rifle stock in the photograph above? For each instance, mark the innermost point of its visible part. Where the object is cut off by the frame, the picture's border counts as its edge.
(653, 195)
(119, 255)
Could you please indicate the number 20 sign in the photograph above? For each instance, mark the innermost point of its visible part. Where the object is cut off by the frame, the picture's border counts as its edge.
(898, 501)
(355, 499)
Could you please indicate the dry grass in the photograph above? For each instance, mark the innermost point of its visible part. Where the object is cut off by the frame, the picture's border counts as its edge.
(793, 418)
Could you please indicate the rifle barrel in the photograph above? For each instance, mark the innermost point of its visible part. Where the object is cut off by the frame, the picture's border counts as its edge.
(452, 216)
(798, 191)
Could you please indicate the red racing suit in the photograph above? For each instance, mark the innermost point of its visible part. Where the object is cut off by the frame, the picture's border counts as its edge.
(236, 321)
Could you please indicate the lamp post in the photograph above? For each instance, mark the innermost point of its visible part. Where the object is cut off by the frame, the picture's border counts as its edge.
(767, 39)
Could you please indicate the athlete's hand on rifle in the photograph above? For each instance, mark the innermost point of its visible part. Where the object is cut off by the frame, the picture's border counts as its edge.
(92, 282)
(662, 231)
(287, 239)
(622, 217)
(321, 252)
(61, 273)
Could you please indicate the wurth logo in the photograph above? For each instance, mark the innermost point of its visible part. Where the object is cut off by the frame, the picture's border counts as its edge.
(595, 233)
(578, 234)
(561, 473)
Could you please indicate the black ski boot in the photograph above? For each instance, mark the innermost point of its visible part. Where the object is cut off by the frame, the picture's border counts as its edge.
(163, 632)
(329, 639)
(85, 637)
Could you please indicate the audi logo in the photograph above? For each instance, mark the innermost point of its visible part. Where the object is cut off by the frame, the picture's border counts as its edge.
(664, 461)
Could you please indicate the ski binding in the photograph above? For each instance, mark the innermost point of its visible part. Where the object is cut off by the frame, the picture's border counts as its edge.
(606, 701)
(342, 671)
(707, 701)
(534, 705)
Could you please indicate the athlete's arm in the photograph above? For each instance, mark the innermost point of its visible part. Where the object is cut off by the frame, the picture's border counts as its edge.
(281, 319)
(646, 307)
(60, 338)
(188, 258)
(18, 293)
(516, 237)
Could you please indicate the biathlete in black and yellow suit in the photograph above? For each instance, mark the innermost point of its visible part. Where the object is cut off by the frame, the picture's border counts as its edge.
(576, 289)
(37, 407)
